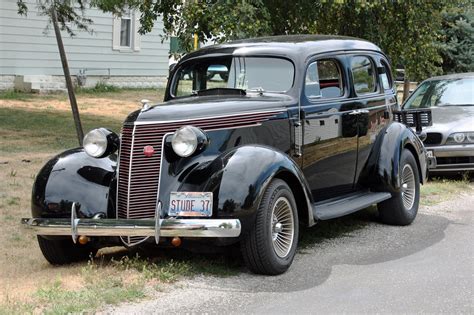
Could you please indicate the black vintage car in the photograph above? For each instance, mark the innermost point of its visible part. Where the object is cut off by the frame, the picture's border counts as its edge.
(298, 130)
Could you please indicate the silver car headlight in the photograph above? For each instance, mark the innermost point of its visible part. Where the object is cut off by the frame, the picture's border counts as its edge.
(187, 140)
(100, 142)
(470, 137)
(460, 138)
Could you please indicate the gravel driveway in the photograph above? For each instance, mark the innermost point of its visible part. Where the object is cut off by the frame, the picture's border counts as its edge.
(427, 267)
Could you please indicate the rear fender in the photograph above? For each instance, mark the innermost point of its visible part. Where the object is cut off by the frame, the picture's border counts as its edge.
(381, 171)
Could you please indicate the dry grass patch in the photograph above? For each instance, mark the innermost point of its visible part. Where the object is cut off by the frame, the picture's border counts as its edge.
(116, 104)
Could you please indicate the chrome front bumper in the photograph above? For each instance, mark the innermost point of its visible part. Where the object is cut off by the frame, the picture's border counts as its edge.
(75, 227)
(121, 227)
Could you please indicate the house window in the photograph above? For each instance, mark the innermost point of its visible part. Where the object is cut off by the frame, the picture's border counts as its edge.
(125, 32)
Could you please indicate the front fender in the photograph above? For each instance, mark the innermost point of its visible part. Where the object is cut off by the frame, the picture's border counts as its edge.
(73, 176)
(381, 171)
(238, 179)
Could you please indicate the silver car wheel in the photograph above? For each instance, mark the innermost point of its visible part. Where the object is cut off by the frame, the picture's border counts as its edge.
(283, 227)
(408, 186)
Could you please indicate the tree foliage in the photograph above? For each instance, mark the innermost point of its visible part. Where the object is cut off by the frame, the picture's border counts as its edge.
(407, 30)
(457, 42)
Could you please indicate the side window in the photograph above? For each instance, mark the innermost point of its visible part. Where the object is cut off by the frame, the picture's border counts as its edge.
(386, 77)
(363, 73)
(323, 79)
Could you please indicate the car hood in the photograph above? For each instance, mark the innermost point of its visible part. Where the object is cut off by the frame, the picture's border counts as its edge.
(449, 119)
(210, 106)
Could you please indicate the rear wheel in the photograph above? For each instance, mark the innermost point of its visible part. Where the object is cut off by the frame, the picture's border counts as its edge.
(64, 251)
(270, 246)
(402, 208)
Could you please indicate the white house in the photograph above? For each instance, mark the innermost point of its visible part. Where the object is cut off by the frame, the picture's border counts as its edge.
(114, 53)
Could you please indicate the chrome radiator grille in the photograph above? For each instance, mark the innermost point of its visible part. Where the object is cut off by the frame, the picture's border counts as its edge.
(138, 175)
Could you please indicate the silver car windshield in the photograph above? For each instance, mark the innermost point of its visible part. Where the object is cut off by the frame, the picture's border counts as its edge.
(450, 92)
(262, 74)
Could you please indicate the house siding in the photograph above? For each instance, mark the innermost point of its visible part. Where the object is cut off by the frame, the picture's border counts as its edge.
(26, 49)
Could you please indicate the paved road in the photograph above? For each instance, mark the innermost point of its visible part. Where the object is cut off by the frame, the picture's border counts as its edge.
(427, 267)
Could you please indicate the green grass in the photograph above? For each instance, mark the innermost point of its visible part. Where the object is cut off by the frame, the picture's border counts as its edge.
(15, 95)
(172, 265)
(441, 189)
(27, 130)
(100, 88)
(106, 291)
(54, 299)
(103, 89)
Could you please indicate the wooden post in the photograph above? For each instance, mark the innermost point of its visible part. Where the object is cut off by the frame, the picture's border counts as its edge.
(406, 88)
(67, 76)
(196, 41)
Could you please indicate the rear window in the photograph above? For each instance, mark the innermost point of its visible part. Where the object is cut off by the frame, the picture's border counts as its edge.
(323, 79)
(363, 73)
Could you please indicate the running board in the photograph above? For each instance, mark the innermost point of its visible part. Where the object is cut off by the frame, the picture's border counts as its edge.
(343, 206)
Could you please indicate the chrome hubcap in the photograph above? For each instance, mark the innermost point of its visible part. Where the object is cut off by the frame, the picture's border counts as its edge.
(408, 186)
(283, 229)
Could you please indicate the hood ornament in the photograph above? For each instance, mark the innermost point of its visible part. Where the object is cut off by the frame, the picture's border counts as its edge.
(145, 104)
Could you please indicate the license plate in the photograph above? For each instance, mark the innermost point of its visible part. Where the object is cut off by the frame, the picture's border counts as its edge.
(190, 204)
(429, 153)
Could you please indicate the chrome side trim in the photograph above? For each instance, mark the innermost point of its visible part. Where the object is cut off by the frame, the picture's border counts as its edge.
(137, 227)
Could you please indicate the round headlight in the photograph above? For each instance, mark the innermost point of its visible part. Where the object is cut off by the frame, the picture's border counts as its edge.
(101, 142)
(459, 137)
(470, 137)
(185, 141)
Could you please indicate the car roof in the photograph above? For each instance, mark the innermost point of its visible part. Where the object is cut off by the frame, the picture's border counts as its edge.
(292, 46)
(452, 76)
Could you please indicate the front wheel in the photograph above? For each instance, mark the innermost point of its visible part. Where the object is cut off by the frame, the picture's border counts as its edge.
(270, 246)
(402, 208)
(64, 251)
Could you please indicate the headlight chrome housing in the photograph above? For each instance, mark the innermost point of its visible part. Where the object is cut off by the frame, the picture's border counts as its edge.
(188, 140)
(100, 142)
(460, 138)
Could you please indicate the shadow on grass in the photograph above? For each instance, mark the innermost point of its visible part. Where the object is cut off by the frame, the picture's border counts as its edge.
(170, 264)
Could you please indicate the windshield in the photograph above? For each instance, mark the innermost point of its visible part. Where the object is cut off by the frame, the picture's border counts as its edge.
(246, 73)
(451, 92)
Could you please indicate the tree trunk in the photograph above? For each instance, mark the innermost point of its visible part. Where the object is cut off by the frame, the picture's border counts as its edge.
(67, 76)
(406, 88)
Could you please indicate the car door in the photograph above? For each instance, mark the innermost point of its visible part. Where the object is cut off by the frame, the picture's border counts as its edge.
(329, 130)
(374, 98)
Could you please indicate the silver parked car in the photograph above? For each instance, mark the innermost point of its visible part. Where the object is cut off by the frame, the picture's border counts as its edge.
(450, 139)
